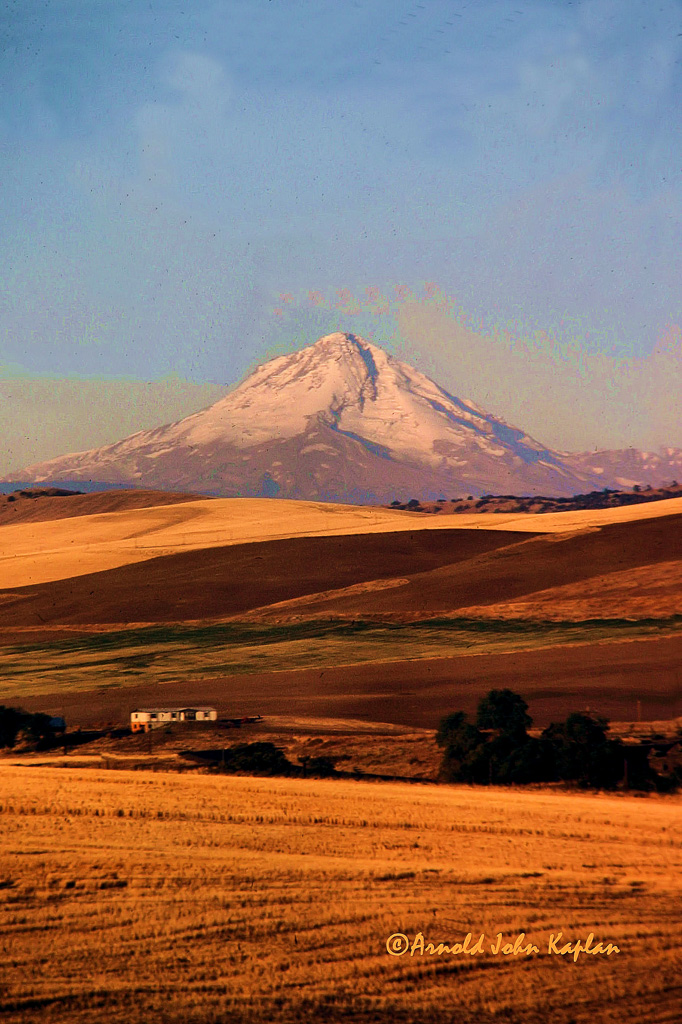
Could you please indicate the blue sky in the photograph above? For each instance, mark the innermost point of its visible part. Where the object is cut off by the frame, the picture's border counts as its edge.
(177, 179)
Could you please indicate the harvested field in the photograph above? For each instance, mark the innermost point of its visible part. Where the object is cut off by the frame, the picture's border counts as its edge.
(38, 552)
(245, 623)
(405, 575)
(131, 897)
(191, 898)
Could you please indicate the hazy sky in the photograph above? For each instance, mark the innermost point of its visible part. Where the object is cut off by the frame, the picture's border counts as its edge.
(492, 190)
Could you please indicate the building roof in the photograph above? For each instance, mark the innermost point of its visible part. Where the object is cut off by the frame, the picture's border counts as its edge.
(157, 711)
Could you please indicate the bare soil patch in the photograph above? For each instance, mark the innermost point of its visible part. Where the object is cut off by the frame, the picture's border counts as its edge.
(653, 591)
(226, 581)
(510, 572)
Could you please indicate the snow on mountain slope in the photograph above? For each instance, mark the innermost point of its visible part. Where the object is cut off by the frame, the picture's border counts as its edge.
(628, 466)
(357, 389)
(343, 420)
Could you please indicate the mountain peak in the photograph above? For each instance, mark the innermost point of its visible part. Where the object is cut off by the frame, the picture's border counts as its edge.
(342, 341)
(350, 347)
(337, 338)
(342, 419)
(342, 346)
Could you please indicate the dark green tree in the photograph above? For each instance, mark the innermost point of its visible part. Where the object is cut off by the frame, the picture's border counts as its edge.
(517, 761)
(498, 749)
(464, 759)
(11, 722)
(505, 712)
(582, 752)
(37, 728)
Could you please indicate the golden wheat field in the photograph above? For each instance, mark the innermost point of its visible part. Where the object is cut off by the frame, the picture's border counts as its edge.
(138, 896)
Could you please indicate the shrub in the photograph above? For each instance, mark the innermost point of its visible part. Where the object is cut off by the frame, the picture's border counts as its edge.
(37, 728)
(263, 758)
(15, 721)
(322, 767)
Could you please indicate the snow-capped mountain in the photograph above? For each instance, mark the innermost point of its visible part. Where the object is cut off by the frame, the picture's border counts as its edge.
(342, 420)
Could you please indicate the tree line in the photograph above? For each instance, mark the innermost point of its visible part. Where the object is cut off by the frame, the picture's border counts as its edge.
(15, 723)
(498, 750)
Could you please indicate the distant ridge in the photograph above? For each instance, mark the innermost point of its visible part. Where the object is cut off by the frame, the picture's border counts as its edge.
(40, 504)
(342, 420)
(539, 504)
(75, 486)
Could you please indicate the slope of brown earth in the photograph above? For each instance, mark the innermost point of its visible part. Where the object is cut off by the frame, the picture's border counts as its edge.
(41, 552)
(31, 505)
(651, 591)
(510, 572)
(609, 678)
(227, 581)
(33, 553)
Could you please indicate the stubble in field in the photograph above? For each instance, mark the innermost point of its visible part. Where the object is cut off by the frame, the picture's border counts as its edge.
(130, 897)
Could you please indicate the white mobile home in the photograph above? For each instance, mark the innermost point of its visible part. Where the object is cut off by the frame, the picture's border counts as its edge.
(144, 719)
